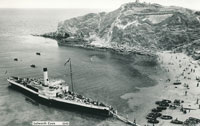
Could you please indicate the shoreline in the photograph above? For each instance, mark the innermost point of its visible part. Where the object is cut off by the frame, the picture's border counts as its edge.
(186, 69)
(172, 65)
(84, 44)
(143, 101)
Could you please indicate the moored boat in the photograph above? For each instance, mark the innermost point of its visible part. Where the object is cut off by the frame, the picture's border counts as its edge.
(57, 94)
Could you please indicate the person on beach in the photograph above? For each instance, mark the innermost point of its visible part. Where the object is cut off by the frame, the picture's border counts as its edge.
(181, 108)
(185, 93)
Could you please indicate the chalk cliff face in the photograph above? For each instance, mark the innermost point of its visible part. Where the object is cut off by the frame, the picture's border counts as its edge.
(133, 27)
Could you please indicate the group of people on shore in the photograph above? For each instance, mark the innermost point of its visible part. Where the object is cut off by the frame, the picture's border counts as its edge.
(182, 74)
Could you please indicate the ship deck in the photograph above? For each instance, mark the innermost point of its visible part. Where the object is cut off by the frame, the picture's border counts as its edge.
(65, 97)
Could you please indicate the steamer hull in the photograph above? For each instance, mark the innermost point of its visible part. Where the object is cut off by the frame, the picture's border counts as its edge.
(60, 103)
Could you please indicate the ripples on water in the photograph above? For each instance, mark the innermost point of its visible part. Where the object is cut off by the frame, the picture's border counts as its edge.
(99, 75)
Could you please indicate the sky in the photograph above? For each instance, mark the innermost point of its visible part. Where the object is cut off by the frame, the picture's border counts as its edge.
(93, 4)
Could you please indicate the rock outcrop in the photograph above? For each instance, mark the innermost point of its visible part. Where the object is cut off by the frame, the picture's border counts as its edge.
(139, 27)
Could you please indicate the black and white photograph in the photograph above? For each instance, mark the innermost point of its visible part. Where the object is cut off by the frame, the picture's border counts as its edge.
(99, 63)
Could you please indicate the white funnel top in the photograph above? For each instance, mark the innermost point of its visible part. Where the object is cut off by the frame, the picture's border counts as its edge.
(46, 79)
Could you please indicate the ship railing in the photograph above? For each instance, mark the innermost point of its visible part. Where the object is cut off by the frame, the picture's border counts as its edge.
(13, 78)
(81, 101)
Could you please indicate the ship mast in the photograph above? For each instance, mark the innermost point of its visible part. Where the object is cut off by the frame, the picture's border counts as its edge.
(70, 65)
(71, 75)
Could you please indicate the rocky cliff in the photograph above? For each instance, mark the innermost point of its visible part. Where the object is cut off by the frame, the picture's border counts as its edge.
(132, 27)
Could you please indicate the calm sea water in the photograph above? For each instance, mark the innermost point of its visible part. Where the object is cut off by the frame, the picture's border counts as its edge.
(99, 75)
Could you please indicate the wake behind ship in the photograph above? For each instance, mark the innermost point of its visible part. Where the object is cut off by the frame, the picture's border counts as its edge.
(57, 94)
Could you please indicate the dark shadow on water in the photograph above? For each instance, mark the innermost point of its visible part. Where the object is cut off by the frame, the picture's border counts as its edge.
(32, 101)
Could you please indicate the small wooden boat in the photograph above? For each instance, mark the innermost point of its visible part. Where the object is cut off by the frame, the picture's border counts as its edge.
(178, 82)
(176, 121)
(15, 59)
(163, 103)
(33, 66)
(156, 110)
(166, 117)
(153, 115)
(37, 53)
(161, 108)
(172, 107)
(153, 121)
(166, 100)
